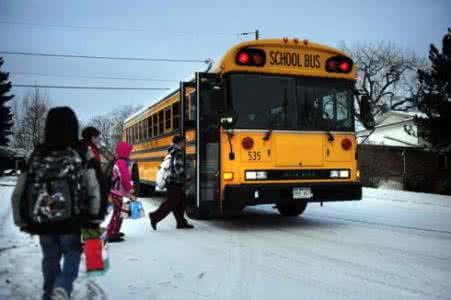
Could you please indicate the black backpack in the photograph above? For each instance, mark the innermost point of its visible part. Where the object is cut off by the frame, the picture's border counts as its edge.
(55, 191)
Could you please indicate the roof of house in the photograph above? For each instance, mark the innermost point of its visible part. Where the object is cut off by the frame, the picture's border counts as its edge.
(403, 117)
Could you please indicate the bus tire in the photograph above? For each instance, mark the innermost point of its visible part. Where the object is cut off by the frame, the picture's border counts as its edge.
(291, 209)
(196, 213)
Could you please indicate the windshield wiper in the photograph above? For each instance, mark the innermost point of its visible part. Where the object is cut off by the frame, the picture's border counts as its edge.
(269, 132)
(330, 137)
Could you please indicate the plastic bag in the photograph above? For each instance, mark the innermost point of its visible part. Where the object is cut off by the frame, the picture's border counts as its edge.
(136, 209)
(96, 257)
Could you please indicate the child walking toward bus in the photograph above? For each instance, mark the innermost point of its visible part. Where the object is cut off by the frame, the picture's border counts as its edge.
(122, 186)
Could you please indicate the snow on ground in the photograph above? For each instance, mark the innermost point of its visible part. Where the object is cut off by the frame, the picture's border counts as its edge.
(391, 245)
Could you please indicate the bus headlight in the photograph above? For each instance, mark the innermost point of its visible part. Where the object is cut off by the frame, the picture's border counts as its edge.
(262, 175)
(251, 175)
(334, 174)
(256, 175)
(344, 173)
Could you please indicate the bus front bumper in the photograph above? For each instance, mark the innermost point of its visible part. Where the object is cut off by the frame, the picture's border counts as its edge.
(237, 196)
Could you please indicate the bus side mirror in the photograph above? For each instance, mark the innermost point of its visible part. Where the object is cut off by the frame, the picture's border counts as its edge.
(228, 120)
(365, 113)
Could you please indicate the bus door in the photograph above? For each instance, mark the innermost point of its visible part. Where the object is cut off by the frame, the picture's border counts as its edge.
(202, 110)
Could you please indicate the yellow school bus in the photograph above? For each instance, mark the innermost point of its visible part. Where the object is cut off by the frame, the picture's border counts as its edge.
(271, 123)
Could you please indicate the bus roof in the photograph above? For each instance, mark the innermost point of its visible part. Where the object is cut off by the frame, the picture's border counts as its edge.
(227, 62)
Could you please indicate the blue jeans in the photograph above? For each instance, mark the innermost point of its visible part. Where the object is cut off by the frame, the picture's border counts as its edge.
(54, 247)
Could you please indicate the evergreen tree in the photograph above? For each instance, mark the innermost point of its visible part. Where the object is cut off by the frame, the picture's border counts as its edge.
(434, 97)
(6, 117)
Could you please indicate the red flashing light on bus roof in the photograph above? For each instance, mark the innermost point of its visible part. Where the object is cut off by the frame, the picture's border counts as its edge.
(251, 57)
(243, 58)
(339, 64)
(296, 41)
(258, 59)
(344, 66)
(285, 40)
(332, 64)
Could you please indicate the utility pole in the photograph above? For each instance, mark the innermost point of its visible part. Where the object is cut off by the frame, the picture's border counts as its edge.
(256, 32)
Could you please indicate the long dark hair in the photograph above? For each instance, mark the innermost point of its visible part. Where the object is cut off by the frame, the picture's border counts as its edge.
(61, 128)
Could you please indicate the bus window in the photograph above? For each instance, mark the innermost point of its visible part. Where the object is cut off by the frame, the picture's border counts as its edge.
(187, 107)
(141, 132)
(328, 108)
(144, 129)
(344, 109)
(193, 109)
(155, 125)
(176, 115)
(291, 103)
(167, 119)
(149, 127)
(133, 134)
(160, 122)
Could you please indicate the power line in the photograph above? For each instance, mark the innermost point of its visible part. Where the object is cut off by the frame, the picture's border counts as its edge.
(88, 87)
(93, 77)
(105, 28)
(106, 57)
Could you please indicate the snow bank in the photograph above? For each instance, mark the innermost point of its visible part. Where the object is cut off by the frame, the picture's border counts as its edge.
(403, 196)
(390, 185)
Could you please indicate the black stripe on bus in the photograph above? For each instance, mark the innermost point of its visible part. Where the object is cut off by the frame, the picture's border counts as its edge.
(158, 149)
(160, 158)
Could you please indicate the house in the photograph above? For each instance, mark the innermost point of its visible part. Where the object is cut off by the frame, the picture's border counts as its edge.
(394, 152)
(395, 128)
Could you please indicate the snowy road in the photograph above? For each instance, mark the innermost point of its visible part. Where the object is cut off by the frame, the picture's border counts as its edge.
(374, 249)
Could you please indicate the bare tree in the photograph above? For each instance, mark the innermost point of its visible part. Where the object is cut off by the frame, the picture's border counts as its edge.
(387, 76)
(105, 125)
(111, 125)
(29, 116)
(118, 116)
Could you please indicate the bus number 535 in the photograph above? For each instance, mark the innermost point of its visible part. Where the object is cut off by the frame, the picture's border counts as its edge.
(254, 155)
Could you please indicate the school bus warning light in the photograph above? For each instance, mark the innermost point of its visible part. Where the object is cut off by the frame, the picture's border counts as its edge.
(339, 64)
(251, 57)
(243, 58)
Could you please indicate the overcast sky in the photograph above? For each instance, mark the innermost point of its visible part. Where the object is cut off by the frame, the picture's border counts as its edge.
(184, 30)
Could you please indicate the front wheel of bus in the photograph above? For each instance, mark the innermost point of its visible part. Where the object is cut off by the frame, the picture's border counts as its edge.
(291, 209)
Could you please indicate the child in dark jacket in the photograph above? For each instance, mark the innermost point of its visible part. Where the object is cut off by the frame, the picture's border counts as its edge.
(59, 240)
(122, 187)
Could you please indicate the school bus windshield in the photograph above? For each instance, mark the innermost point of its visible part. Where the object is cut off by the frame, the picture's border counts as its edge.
(291, 103)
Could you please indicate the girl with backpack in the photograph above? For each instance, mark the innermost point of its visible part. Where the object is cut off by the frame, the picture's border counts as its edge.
(55, 198)
(122, 186)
